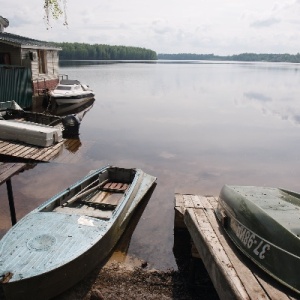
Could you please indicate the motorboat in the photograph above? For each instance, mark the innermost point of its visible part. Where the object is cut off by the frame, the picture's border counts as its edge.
(70, 92)
(67, 117)
(264, 223)
(60, 242)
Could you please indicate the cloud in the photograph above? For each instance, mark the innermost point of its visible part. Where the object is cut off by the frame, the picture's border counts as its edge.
(194, 26)
(265, 22)
(257, 97)
(160, 26)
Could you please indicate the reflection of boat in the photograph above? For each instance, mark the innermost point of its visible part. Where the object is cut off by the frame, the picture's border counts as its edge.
(264, 224)
(70, 92)
(57, 244)
(75, 114)
(71, 109)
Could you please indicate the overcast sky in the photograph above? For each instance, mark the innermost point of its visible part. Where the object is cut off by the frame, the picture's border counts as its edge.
(167, 26)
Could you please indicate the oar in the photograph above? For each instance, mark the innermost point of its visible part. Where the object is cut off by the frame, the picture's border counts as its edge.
(78, 196)
(81, 191)
(88, 186)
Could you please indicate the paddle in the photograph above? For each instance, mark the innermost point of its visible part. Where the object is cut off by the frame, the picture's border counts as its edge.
(82, 194)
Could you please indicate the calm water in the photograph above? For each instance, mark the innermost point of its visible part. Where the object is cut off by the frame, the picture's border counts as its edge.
(196, 126)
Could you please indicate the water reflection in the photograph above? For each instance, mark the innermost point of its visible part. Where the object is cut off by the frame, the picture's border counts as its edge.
(195, 126)
(72, 145)
(78, 108)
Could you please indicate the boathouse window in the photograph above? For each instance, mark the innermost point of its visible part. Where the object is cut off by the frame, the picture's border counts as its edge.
(42, 55)
(4, 58)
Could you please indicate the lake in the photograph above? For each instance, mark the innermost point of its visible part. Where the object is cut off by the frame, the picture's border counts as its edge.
(194, 125)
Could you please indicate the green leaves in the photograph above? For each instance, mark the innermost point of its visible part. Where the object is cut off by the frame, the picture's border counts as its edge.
(53, 9)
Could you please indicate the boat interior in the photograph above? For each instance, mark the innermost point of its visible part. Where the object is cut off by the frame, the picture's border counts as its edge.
(97, 197)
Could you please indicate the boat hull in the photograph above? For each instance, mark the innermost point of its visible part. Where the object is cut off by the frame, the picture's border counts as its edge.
(74, 244)
(61, 100)
(263, 224)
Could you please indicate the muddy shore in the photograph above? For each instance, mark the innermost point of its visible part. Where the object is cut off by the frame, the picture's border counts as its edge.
(121, 281)
(124, 277)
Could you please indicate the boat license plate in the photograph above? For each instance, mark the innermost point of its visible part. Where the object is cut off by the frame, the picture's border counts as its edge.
(250, 240)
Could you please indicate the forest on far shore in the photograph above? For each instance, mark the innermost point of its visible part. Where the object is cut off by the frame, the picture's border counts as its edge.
(83, 51)
(237, 57)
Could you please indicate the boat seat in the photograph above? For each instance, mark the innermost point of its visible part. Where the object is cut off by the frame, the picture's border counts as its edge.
(104, 200)
(116, 187)
(86, 211)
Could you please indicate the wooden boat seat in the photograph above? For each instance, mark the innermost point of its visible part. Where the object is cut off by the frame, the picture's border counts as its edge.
(104, 200)
(115, 187)
(107, 197)
(86, 211)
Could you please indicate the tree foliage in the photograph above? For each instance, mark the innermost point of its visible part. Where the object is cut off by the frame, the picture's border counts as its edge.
(237, 57)
(82, 51)
(54, 9)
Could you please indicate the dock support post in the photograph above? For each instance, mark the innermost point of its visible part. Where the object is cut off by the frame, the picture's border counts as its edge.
(11, 202)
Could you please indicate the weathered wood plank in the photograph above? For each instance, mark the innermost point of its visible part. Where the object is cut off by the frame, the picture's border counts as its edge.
(7, 147)
(188, 202)
(26, 151)
(4, 145)
(233, 275)
(251, 284)
(7, 170)
(215, 259)
(273, 292)
(213, 201)
(179, 206)
(47, 154)
(201, 202)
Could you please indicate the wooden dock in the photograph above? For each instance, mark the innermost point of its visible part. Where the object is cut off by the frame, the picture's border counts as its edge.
(233, 275)
(8, 170)
(26, 152)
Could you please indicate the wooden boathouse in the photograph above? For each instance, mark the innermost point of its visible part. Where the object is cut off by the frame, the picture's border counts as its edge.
(28, 67)
(233, 275)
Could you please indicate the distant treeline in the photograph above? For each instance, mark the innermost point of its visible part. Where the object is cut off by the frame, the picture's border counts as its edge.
(238, 57)
(81, 51)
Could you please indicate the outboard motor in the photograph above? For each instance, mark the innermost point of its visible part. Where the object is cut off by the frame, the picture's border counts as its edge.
(71, 124)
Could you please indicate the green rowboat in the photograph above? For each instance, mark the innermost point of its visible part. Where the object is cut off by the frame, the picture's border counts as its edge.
(264, 223)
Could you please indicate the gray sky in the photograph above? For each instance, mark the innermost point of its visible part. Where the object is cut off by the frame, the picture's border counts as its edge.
(167, 26)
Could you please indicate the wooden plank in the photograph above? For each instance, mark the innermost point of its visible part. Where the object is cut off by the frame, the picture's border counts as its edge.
(5, 145)
(179, 206)
(26, 151)
(188, 202)
(213, 201)
(273, 289)
(112, 199)
(273, 292)
(7, 170)
(252, 285)
(201, 202)
(50, 153)
(98, 197)
(234, 276)
(179, 200)
(8, 147)
(215, 259)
